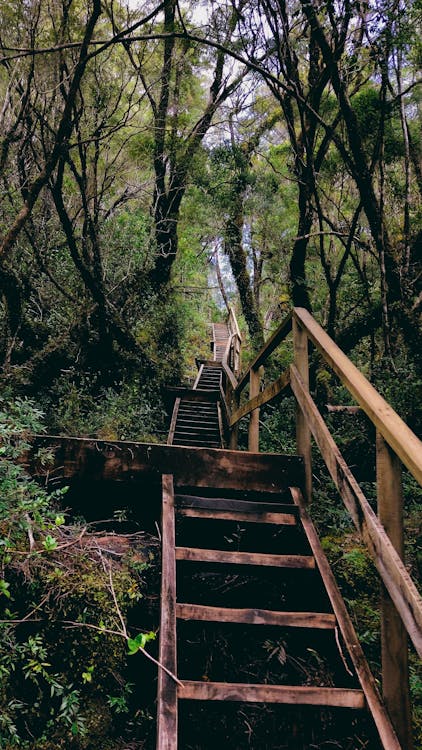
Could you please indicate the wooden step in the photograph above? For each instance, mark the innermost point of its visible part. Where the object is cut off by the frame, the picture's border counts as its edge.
(232, 504)
(197, 409)
(196, 420)
(196, 554)
(197, 429)
(301, 695)
(203, 437)
(192, 443)
(283, 519)
(209, 416)
(316, 620)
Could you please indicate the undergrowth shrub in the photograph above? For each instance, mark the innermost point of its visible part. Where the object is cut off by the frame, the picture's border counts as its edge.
(65, 595)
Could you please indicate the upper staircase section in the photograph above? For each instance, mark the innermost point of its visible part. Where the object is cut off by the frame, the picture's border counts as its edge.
(200, 414)
(226, 344)
(220, 336)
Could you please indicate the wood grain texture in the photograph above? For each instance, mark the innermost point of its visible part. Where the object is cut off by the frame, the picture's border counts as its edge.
(298, 696)
(391, 568)
(253, 429)
(244, 558)
(394, 650)
(303, 433)
(173, 421)
(194, 395)
(282, 519)
(268, 394)
(120, 460)
(397, 434)
(318, 620)
(232, 504)
(382, 721)
(167, 688)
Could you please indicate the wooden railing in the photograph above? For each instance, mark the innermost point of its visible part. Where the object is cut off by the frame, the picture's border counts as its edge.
(396, 444)
(231, 364)
(235, 349)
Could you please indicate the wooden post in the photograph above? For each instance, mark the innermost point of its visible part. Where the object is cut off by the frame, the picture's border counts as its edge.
(253, 434)
(303, 433)
(394, 648)
(167, 688)
(234, 432)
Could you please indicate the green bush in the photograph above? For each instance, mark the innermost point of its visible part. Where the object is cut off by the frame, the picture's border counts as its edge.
(65, 595)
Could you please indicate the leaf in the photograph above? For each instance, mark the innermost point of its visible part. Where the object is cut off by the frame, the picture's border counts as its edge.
(134, 644)
(4, 589)
(50, 543)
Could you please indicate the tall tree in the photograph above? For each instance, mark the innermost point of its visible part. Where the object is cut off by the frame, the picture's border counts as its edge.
(179, 131)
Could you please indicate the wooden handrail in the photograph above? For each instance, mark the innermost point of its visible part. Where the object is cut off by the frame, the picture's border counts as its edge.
(401, 608)
(232, 322)
(282, 331)
(226, 364)
(268, 394)
(396, 432)
(395, 576)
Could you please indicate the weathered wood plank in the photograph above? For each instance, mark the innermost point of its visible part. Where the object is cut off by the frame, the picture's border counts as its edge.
(220, 425)
(366, 679)
(207, 363)
(303, 433)
(302, 695)
(282, 519)
(233, 504)
(253, 430)
(200, 371)
(282, 331)
(268, 394)
(397, 434)
(173, 421)
(203, 467)
(234, 427)
(194, 554)
(167, 688)
(393, 573)
(229, 374)
(193, 395)
(394, 650)
(318, 620)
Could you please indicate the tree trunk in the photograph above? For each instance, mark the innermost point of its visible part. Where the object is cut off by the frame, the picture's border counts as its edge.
(238, 262)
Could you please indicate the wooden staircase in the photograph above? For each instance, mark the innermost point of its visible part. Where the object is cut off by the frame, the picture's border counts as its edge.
(214, 536)
(198, 528)
(198, 422)
(248, 598)
(220, 337)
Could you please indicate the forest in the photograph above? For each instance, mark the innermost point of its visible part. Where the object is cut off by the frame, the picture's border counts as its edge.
(161, 164)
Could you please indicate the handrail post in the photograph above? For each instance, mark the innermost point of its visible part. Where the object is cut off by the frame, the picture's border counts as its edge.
(303, 433)
(253, 433)
(394, 648)
(234, 432)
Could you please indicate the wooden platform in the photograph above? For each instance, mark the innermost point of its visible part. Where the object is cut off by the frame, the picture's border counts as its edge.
(204, 467)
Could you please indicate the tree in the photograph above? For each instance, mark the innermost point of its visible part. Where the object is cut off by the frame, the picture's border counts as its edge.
(178, 129)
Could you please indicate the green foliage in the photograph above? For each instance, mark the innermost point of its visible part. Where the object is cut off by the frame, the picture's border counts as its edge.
(129, 410)
(62, 648)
